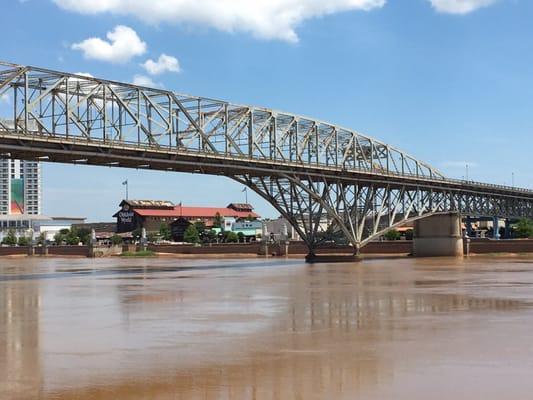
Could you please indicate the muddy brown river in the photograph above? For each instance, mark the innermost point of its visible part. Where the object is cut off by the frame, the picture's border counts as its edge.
(266, 329)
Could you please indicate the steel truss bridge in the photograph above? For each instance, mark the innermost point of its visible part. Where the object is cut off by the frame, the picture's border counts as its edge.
(329, 182)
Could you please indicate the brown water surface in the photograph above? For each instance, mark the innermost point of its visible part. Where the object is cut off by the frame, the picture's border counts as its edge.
(266, 329)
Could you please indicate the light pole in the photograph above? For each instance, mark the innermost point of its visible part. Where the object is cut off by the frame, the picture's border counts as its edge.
(125, 183)
(467, 171)
(512, 179)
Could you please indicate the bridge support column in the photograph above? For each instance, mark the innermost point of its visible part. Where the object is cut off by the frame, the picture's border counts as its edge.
(495, 228)
(507, 234)
(437, 236)
(469, 230)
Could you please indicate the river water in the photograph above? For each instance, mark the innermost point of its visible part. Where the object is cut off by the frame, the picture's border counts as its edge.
(266, 329)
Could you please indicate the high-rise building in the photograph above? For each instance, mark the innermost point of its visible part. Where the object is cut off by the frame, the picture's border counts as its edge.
(20, 187)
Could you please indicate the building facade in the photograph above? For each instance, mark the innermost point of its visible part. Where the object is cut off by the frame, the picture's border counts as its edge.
(150, 214)
(20, 187)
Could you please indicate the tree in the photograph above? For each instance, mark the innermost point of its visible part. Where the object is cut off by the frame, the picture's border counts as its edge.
(191, 234)
(240, 237)
(232, 237)
(83, 233)
(10, 239)
(250, 217)
(152, 237)
(524, 228)
(210, 236)
(137, 233)
(72, 239)
(218, 221)
(392, 235)
(116, 240)
(164, 232)
(23, 241)
(59, 237)
(200, 227)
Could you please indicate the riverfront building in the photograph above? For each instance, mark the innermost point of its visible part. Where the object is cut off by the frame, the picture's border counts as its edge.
(150, 214)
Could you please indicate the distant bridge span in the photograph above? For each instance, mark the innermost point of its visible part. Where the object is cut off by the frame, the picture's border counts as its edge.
(331, 183)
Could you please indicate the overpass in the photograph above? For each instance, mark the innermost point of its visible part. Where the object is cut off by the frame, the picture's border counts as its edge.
(329, 182)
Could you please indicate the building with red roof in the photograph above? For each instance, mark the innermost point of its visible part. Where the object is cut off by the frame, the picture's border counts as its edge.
(150, 214)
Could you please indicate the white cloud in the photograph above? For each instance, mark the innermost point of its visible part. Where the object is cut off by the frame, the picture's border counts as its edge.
(143, 80)
(460, 6)
(163, 64)
(123, 45)
(267, 19)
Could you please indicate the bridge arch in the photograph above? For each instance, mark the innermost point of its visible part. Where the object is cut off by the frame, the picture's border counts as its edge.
(330, 182)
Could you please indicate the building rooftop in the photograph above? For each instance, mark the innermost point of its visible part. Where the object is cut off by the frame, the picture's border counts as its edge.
(148, 203)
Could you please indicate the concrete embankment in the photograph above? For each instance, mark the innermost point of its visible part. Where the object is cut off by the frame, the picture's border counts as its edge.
(477, 246)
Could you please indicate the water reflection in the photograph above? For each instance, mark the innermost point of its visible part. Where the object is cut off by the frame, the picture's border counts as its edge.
(20, 363)
(95, 329)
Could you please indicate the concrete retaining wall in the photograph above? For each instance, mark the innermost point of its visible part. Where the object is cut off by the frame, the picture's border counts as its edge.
(484, 246)
(477, 246)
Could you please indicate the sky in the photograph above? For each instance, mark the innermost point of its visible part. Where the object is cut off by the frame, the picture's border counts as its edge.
(448, 81)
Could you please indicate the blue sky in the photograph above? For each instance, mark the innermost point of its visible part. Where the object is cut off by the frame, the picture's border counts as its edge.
(449, 81)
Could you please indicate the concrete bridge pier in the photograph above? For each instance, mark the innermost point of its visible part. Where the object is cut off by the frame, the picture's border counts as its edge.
(437, 236)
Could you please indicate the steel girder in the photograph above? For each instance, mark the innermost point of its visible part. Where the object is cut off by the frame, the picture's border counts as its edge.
(57, 104)
(359, 212)
(330, 183)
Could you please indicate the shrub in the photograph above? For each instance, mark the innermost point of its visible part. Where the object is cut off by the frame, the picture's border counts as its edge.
(524, 228)
(232, 237)
(23, 241)
(392, 235)
(191, 235)
(10, 239)
(116, 240)
(164, 232)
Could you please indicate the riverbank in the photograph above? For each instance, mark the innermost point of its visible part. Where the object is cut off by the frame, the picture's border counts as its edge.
(295, 249)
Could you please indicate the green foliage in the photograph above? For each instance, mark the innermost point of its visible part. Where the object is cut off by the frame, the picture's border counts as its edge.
(116, 240)
(72, 239)
(191, 235)
(23, 241)
(10, 239)
(392, 235)
(524, 228)
(152, 237)
(218, 221)
(232, 237)
(209, 236)
(83, 233)
(73, 236)
(59, 237)
(250, 217)
(240, 237)
(41, 239)
(200, 226)
(137, 233)
(144, 253)
(164, 232)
